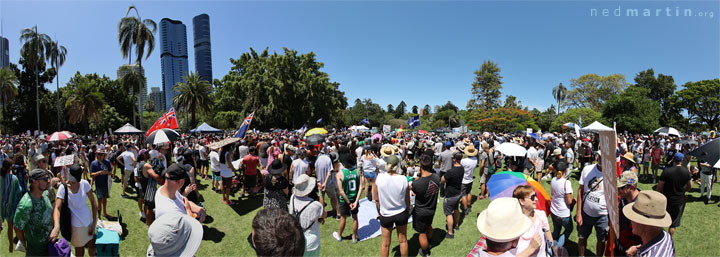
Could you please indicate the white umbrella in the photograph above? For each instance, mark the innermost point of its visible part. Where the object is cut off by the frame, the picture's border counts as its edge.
(511, 149)
(61, 135)
(162, 136)
(667, 131)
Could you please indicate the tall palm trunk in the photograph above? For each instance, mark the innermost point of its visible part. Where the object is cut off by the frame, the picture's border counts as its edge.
(37, 82)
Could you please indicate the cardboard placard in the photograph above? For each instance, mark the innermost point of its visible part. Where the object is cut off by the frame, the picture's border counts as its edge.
(64, 160)
(609, 170)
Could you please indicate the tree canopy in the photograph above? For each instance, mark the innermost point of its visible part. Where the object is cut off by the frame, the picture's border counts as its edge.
(486, 87)
(633, 110)
(592, 90)
(702, 99)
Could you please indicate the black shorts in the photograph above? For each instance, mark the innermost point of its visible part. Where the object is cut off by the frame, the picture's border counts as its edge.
(250, 180)
(150, 205)
(450, 204)
(676, 212)
(421, 223)
(466, 188)
(345, 209)
(400, 219)
(204, 163)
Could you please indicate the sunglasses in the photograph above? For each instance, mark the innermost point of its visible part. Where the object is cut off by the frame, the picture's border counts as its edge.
(46, 179)
(533, 197)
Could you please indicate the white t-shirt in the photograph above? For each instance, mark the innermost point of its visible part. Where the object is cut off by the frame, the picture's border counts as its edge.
(381, 165)
(541, 222)
(202, 153)
(127, 158)
(300, 167)
(81, 216)
(225, 170)
(560, 187)
(214, 161)
(532, 154)
(165, 205)
(594, 204)
(469, 165)
(391, 193)
(369, 165)
(569, 156)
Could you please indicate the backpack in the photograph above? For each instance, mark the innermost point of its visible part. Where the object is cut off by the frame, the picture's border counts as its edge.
(296, 215)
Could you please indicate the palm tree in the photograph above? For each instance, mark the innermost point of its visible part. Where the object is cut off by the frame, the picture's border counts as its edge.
(34, 50)
(8, 88)
(193, 95)
(559, 93)
(85, 103)
(134, 31)
(132, 81)
(56, 57)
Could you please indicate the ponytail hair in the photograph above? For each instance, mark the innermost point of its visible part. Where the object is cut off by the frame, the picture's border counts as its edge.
(560, 169)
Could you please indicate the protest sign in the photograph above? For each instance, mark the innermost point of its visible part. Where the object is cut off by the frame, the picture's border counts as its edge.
(609, 170)
(64, 160)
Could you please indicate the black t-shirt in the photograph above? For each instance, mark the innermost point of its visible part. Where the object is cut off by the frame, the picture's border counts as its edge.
(426, 194)
(287, 160)
(453, 181)
(675, 179)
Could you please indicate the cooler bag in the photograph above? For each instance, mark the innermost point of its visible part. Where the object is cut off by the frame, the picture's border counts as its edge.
(107, 242)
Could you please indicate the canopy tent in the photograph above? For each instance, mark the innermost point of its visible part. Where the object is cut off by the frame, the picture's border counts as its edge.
(205, 128)
(597, 126)
(128, 129)
(359, 128)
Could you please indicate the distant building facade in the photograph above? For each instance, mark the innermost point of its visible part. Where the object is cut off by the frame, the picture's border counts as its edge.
(201, 39)
(5, 52)
(156, 95)
(142, 95)
(173, 56)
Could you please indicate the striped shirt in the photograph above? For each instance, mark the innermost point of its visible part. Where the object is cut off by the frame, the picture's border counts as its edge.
(659, 246)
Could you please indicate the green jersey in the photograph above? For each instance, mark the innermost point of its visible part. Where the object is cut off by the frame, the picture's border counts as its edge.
(350, 184)
(34, 216)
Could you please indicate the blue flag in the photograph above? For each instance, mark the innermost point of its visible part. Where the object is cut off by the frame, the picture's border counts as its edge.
(414, 121)
(580, 120)
(245, 125)
(318, 121)
(365, 121)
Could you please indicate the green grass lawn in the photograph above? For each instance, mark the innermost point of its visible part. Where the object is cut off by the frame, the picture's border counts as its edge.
(226, 233)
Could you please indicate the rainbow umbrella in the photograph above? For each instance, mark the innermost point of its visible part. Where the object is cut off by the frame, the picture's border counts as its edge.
(503, 183)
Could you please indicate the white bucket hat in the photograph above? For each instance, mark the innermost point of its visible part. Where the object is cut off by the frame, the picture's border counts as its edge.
(503, 220)
(303, 185)
(174, 234)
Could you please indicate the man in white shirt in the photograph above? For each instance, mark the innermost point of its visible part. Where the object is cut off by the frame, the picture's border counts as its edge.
(570, 158)
(591, 202)
(128, 160)
(469, 164)
(214, 157)
(169, 199)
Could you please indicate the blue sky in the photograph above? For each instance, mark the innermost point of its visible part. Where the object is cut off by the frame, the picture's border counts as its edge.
(419, 52)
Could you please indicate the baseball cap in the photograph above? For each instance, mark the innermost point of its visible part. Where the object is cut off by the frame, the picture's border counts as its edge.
(678, 157)
(627, 178)
(176, 172)
(37, 174)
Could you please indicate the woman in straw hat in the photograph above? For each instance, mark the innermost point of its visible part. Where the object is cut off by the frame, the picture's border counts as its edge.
(649, 218)
(469, 163)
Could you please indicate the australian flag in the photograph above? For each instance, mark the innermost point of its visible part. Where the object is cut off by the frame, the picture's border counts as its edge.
(414, 121)
(365, 121)
(245, 125)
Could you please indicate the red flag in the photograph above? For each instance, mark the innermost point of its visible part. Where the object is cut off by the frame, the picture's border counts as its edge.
(166, 121)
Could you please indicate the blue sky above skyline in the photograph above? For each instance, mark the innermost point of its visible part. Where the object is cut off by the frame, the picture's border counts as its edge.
(419, 52)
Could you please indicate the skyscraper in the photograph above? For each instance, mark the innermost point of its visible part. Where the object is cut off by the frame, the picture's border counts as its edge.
(156, 95)
(5, 52)
(173, 56)
(142, 95)
(201, 37)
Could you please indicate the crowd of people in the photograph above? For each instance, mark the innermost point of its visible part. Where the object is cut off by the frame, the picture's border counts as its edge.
(403, 176)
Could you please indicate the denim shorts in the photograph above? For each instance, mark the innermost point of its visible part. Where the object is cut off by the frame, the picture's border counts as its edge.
(601, 225)
(371, 175)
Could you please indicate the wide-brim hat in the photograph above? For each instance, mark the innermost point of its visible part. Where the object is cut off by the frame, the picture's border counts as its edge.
(304, 184)
(100, 149)
(629, 156)
(174, 234)
(387, 150)
(276, 167)
(470, 150)
(503, 220)
(649, 209)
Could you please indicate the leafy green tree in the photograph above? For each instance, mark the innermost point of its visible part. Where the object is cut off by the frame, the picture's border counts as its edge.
(448, 106)
(21, 113)
(85, 103)
(486, 87)
(573, 115)
(501, 120)
(592, 90)
(633, 110)
(35, 50)
(415, 109)
(426, 110)
(390, 108)
(512, 102)
(132, 82)
(559, 93)
(285, 90)
(702, 99)
(56, 56)
(8, 86)
(544, 119)
(111, 119)
(661, 89)
(192, 96)
(140, 34)
(400, 109)
(149, 105)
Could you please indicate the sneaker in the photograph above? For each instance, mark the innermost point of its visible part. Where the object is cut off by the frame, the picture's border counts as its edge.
(19, 247)
(355, 240)
(337, 217)
(337, 236)
(142, 215)
(449, 236)
(227, 202)
(422, 253)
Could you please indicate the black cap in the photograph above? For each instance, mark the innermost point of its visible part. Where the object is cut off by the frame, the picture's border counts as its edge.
(176, 172)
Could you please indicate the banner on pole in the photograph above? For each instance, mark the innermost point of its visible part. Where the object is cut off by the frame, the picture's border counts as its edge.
(609, 170)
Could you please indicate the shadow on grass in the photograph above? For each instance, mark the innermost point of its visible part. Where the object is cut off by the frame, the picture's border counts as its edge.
(212, 234)
(414, 242)
(248, 205)
(572, 248)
